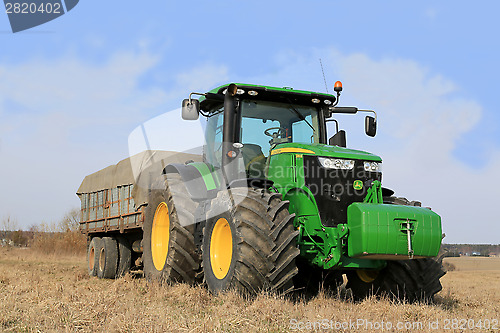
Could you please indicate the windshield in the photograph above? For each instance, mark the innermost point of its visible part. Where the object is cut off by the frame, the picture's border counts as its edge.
(284, 122)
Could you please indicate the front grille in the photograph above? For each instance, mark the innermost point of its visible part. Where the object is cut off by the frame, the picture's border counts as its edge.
(333, 189)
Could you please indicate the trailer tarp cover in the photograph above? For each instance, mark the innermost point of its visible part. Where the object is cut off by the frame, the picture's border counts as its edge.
(138, 170)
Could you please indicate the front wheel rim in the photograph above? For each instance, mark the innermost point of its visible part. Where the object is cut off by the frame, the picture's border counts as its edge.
(367, 276)
(221, 248)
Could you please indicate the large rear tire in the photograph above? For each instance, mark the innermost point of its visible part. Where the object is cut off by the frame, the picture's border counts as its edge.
(169, 250)
(411, 280)
(250, 247)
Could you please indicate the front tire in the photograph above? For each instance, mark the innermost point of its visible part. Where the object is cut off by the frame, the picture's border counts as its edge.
(411, 280)
(249, 247)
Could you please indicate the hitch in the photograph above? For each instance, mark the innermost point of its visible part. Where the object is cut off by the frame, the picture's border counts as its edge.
(407, 227)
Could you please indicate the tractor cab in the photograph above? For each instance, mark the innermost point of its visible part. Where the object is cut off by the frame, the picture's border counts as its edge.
(257, 119)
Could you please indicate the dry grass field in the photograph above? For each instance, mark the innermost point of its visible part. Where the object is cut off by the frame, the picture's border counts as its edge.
(474, 263)
(53, 293)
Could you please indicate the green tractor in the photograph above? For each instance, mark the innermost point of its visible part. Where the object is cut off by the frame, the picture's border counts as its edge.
(275, 204)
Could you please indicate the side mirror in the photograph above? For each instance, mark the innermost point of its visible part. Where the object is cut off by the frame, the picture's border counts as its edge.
(190, 109)
(370, 126)
(338, 139)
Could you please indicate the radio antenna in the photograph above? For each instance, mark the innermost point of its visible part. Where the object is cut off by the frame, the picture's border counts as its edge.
(324, 78)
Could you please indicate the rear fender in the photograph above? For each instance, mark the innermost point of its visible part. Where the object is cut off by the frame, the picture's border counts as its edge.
(200, 181)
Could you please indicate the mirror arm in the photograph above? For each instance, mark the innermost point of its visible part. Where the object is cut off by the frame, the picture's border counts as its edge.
(195, 93)
(371, 111)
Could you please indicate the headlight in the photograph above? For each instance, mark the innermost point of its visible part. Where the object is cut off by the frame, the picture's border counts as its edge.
(336, 163)
(373, 167)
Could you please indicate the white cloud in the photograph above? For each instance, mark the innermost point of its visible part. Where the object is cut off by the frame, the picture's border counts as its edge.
(59, 122)
(65, 118)
(202, 78)
(431, 13)
(69, 85)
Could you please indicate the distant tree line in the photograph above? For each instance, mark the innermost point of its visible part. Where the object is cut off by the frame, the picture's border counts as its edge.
(62, 236)
(478, 250)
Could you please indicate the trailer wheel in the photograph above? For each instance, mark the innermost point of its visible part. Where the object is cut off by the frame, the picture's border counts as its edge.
(169, 249)
(250, 247)
(412, 280)
(108, 258)
(125, 256)
(93, 251)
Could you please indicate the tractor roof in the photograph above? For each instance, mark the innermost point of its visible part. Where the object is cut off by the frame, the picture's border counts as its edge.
(268, 93)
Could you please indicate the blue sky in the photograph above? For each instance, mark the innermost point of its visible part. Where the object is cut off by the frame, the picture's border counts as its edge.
(72, 90)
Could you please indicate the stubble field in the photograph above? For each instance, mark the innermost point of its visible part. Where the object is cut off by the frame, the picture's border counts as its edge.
(49, 293)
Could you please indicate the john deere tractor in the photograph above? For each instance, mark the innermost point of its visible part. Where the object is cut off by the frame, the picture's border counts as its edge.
(275, 204)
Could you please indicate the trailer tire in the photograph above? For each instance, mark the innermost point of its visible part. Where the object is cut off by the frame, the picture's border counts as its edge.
(173, 257)
(249, 247)
(125, 256)
(108, 258)
(93, 251)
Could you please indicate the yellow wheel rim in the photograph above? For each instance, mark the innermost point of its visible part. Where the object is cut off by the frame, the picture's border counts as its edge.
(367, 276)
(221, 248)
(160, 235)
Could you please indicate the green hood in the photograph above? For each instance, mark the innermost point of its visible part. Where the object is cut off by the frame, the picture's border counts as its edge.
(319, 149)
